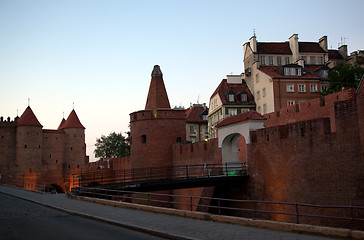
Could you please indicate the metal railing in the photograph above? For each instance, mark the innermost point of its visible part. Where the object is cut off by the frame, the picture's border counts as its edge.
(299, 213)
(106, 176)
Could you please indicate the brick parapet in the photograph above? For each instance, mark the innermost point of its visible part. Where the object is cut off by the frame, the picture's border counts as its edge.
(309, 110)
(160, 114)
(197, 153)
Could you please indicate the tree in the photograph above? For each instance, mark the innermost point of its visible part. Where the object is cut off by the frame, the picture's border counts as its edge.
(114, 145)
(344, 76)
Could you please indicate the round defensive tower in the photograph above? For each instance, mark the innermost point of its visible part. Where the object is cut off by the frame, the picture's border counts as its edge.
(74, 143)
(155, 129)
(29, 142)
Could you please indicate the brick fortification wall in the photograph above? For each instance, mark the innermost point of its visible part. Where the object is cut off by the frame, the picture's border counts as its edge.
(308, 162)
(313, 109)
(195, 153)
(152, 136)
(35, 158)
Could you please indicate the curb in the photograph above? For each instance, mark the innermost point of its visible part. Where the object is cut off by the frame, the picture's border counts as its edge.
(128, 226)
(272, 225)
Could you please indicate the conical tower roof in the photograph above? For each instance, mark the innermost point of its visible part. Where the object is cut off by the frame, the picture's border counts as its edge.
(61, 124)
(72, 122)
(28, 118)
(157, 95)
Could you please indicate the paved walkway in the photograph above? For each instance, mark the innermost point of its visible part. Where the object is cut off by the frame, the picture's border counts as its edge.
(173, 227)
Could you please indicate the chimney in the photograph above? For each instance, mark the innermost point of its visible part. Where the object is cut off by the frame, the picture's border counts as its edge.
(323, 43)
(253, 43)
(301, 62)
(293, 44)
(234, 79)
(343, 50)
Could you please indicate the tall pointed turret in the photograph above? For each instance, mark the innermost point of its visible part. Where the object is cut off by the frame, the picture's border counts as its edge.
(157, 95)
(72, 122)
(28, 118)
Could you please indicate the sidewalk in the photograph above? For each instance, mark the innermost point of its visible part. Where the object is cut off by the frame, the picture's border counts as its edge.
(174, 227)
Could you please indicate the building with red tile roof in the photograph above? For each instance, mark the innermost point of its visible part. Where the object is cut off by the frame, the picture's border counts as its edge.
(231, 97)
(275, 69)
(196, 123)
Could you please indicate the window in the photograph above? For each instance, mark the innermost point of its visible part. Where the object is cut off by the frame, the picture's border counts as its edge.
(292, 71)
(290, 102)
(144, 138)
(264, 108)
(178, 139)
(304, 59)
(286, 60)
(257, 78)
(244, 97)
(279, 61)
(264, 92)
(262, 60)
(301, 87)
(231, 97)
(320, 60)
(290, 87)
(312, 60)
(192, 129)
(270, 59)
(258, 95)
(323, 88)
(204, 117)
(258, 109)
(232, 111)
(313, 88)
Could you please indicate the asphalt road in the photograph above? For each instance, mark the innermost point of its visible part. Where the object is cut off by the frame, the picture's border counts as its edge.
(20, 219)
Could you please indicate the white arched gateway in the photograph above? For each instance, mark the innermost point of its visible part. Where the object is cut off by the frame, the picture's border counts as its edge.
(230, 133)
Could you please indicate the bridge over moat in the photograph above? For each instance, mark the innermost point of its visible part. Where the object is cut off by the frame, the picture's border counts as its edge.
(164, 178)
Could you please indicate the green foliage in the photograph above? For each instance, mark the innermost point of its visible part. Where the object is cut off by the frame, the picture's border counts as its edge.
(114, 145)
(344, 76)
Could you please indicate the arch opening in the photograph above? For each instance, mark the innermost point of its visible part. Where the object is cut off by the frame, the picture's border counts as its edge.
(234, 153)
(54, 188)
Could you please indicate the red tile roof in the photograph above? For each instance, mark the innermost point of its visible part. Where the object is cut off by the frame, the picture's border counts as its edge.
(360, 60)
(28, 119)
(157, 94)
(225, 88)
(72, 121)
(251, 115)
(310, 47)
(274, 48)
(309, 70)
(61, 124)
(334, 54)
(194, 114)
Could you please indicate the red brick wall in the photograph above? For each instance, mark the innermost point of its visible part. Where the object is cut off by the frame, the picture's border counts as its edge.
(7, 147)
(305, 162)
(360, 106)
(160, 132)
(123, 163)
(190, 154)
(312, 109)
(29, 148)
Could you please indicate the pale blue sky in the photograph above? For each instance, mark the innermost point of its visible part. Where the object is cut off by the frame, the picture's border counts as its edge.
(100, 54)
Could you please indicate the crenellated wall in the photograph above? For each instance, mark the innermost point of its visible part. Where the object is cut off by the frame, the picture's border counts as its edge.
(313, 109)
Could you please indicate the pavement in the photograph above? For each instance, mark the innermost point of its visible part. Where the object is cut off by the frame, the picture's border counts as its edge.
(161, 224)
